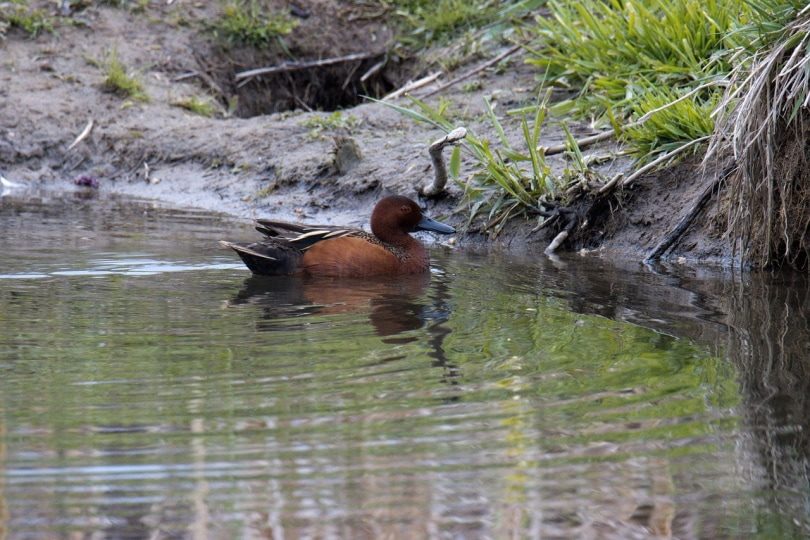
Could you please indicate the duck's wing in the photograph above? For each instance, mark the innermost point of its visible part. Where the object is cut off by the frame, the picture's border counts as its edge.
(267, 258)
(303, 237)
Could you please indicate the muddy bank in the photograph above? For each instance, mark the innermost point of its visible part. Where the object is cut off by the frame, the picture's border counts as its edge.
(293, 164)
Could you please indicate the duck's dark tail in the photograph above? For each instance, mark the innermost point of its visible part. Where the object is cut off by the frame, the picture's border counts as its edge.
(266, 260)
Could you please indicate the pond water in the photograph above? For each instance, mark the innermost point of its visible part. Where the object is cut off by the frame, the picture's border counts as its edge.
(151, 388)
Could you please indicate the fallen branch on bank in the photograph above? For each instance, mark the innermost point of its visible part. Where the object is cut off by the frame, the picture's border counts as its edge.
(581, 143)
(683, 224)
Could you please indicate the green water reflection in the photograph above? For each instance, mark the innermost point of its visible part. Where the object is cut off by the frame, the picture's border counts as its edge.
(152, 388)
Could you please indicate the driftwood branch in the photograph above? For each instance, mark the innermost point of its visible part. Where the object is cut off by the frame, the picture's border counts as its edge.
(436, 187)
(675, 234)
(286, 67)
(474, 71)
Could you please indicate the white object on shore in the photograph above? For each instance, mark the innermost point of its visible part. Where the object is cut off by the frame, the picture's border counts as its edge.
(7, 185)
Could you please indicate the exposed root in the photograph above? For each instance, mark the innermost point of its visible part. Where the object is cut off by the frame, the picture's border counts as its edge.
(571, 221)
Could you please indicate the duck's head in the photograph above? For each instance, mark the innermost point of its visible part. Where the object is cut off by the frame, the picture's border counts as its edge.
(396, 216)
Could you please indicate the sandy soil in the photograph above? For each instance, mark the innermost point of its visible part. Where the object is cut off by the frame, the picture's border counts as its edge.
(275, 164)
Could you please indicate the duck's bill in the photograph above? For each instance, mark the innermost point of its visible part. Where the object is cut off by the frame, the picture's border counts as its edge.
(428, 224)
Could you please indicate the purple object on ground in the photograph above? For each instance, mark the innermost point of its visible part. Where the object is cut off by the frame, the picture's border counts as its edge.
(86, 181)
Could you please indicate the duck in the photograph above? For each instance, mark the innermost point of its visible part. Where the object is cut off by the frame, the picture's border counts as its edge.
(331, 251)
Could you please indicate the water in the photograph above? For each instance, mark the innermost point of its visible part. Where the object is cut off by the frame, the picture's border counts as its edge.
(150, 388)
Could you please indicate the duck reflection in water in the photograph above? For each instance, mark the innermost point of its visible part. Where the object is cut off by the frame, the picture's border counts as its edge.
(394, 306)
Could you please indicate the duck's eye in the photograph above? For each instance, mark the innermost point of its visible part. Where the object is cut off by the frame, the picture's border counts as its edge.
(405, 209)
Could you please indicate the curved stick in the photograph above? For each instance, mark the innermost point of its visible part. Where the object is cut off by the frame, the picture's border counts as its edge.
(439, 169)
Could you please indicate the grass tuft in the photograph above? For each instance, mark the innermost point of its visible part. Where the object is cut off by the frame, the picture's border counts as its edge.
(199, 106)
(507, 181)
(431, 21)
(117, 81)
(670, 124)
(31, 21)
(246, 22)
(317, 123)
(615, 50)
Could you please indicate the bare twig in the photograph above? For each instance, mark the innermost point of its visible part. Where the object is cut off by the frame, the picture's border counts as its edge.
(474, 71)
(374, 69)
(207, 79)
(186, 75)
(245, 76)
(83, 135)
(581, 143)
(414, 85)
(610, 185)
(439, 170)
(662, 159)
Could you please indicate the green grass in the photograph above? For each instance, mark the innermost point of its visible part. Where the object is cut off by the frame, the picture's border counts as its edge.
(613, 51)
(199, 106)
(506, 180)
(629, 57)
(427, 23)
(31, 21)
(431, 20)
(317, 124)
(250, 23)
(118, 81)
(675, 124)
(652, 70)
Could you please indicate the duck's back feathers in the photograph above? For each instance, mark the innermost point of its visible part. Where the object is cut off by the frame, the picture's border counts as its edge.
(303, 237)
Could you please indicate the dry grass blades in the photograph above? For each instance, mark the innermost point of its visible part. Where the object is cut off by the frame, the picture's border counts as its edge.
(766, 129)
